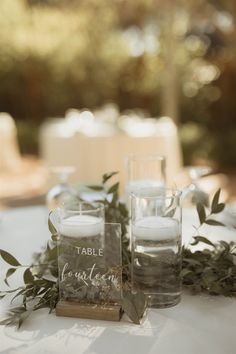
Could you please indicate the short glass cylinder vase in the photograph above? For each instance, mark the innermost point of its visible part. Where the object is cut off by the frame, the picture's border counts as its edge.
(156, 246)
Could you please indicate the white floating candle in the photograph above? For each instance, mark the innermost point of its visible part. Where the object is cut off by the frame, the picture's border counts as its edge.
(148, 185)
(81, 226)
(155, 228)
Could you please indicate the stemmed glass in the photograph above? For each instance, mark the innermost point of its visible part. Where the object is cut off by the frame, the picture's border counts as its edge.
(192, 191)
(61, 192)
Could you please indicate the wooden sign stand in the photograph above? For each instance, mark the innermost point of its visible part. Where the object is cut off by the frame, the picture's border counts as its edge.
(89, 311)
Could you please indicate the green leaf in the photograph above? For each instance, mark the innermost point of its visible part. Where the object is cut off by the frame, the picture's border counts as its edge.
(18, 309)
(123, 209)
(170, 213)
(134, 305)
(225, 245)
(52, 254)
(12, 291)
(214, 222)
(55, 238)
(201, 213)
(218, 209)
(202, 239)
(10, 271)
(114, 188)
(96, 188)
(16, 316)
(192, 261)
(51, 227)
(186, 272)
(7, 257)
(107, 176)
(6, 322)
(215, 201)
(18, 294)
(28, 277)
(24, 316)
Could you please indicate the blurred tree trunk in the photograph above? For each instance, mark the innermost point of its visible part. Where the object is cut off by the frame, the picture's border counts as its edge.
(170, 97)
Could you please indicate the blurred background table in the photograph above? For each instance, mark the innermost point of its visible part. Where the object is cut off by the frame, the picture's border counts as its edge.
(105, 149)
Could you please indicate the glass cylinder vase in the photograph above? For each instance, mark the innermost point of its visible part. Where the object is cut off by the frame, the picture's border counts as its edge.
(156, 246)
(145, 171)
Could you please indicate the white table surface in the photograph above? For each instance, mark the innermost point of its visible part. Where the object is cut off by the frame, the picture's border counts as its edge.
(199, 324)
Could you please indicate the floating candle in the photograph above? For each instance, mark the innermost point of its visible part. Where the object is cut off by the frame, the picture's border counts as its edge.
(149, 186)
(81, 226)
(155, 228)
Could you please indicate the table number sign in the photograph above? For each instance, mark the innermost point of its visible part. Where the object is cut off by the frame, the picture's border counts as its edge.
(90, 268)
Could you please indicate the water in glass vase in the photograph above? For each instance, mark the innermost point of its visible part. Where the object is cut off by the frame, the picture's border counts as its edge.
(157, 259)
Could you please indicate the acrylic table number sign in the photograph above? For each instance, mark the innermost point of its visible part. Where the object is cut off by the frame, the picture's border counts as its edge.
(89, 262)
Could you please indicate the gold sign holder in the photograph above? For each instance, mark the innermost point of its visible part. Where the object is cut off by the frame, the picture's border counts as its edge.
(107, 312)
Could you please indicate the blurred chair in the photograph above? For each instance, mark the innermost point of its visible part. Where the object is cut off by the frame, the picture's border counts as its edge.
(22, 179)
(10, 160)
(94, 155)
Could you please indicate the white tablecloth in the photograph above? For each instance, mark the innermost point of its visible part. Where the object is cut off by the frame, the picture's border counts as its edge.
(199, 324)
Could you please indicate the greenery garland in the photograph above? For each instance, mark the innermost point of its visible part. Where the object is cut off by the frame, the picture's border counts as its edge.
(211, 271)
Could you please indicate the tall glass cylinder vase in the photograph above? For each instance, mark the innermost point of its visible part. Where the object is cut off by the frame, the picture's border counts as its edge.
(156, 246)
(145, 171)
